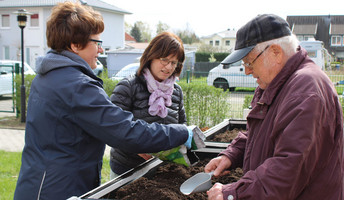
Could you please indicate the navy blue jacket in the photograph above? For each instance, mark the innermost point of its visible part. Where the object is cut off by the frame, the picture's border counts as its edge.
(70, 119)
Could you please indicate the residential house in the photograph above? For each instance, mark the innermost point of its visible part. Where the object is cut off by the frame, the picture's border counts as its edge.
(35, 43)
(224, 41)
(129, 38)
(327, 28)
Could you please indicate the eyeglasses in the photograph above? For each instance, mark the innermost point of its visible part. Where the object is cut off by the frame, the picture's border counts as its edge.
(165, 61)
(98, 43)
(249, 65)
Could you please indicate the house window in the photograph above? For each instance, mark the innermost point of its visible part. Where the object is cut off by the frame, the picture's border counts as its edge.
(228, 42)
(300, 37)
(308, 37)
(6, 52)
(5, 21)
(336, 40)
(34, 20)
(211, 43)
(217, 43)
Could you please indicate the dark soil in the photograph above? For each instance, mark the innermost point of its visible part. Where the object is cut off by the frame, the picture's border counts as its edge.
(11, 123)
(165, 183)
(226, 136)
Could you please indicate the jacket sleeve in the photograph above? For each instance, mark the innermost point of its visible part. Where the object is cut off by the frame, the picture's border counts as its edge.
(122, 95)
(298, 139)
(181, 111)
(236, 150)
(105, 121)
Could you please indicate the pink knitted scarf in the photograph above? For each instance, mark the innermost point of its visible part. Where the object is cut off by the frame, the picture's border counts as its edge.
(161, 94)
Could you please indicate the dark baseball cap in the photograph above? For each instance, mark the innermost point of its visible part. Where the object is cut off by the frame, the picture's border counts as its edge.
(260, 29)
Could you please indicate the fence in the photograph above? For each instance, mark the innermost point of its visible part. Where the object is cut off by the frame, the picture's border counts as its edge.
(238, 97)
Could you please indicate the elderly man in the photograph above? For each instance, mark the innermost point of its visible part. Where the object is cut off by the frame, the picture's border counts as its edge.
(293, 147)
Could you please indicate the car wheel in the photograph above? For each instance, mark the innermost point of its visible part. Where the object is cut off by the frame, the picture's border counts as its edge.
(221, 83)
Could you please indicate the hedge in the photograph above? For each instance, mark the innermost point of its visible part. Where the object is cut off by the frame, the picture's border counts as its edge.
(205, 105)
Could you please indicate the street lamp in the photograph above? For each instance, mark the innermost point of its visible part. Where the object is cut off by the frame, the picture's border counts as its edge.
(22, 18)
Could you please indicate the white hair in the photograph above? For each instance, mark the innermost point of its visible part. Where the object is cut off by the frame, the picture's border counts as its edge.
(288, 44)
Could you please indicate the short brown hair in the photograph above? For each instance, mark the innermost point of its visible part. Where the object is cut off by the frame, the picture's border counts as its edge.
(162, 46)
(72, 23)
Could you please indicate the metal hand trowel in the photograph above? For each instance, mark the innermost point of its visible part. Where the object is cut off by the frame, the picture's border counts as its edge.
(198, 183)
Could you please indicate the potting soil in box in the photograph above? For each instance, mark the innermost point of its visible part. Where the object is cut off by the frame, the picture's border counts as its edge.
(165, 183)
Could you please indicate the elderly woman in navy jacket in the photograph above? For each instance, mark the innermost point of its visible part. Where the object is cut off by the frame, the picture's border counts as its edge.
(70, 117)
(152, 94)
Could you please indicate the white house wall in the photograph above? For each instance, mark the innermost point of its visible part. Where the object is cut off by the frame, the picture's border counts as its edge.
(113, 35)
(35, 41)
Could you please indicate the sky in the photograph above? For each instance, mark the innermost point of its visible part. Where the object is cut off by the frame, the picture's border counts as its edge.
(206, 17)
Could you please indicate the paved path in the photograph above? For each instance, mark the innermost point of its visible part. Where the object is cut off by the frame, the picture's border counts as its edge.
(13, 140)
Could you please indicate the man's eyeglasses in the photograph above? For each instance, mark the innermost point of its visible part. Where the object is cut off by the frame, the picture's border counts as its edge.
(165, 61)
(98, 42)
(249, 65)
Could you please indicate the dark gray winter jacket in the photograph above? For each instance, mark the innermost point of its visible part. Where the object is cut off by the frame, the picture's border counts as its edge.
(131, 94)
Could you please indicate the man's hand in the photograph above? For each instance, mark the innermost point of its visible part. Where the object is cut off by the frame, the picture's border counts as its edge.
(218, 165)
(215, 193)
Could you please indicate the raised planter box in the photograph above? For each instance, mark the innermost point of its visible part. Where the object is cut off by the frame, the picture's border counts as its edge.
(148, 168)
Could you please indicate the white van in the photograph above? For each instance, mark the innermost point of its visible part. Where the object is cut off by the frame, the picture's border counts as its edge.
(7, 74)
(316, 52)
(230, 77)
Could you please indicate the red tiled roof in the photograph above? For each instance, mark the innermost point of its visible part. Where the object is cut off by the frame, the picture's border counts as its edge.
(129, 38)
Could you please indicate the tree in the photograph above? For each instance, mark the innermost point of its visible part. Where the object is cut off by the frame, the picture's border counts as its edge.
(136, 33)
(127, 27)
(146, 32)
(188, 36)
(161, 27)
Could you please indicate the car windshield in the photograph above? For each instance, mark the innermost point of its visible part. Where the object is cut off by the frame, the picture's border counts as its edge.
(126, 71)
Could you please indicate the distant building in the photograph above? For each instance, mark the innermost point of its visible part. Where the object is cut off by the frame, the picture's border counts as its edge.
(129, 38)
(327, 28)
(35, 43)
(224, 41)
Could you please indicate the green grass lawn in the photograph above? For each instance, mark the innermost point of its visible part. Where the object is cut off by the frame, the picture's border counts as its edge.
(10, 165)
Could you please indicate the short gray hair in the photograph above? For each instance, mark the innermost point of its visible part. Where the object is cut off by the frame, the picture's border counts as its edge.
(288, 43)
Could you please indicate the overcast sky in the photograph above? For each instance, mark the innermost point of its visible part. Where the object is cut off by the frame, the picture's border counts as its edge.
(206, 17)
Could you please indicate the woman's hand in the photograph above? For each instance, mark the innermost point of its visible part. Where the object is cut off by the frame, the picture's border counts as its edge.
(145, 156)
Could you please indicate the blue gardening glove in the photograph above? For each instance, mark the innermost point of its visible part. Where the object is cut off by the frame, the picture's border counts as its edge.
(189, 141)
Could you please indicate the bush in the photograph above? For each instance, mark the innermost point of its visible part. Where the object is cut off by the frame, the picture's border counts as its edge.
(204, 105)
(247, 101)
(204, 57)
(27, 83)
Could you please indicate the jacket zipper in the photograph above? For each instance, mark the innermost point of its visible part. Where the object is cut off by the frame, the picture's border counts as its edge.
(40, 188)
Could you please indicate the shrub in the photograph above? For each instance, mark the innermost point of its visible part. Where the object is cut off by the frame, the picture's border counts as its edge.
(204, 105)
(247, 101)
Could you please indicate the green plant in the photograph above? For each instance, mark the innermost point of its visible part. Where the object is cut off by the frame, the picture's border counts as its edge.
(10, 163)
(27, 83)
(247, 101)
(204, 105)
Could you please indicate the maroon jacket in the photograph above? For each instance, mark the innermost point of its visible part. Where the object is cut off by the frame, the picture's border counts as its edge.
(293, 148)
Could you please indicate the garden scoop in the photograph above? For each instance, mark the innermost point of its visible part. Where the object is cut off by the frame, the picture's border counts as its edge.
(200, 182)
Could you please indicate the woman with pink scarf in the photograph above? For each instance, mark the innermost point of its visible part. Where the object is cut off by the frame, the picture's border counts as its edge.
(152, 94)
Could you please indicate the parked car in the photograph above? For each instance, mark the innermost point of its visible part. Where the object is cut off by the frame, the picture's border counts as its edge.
(7, 69)
(126, 71)
(230, 77)
(97, 71)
